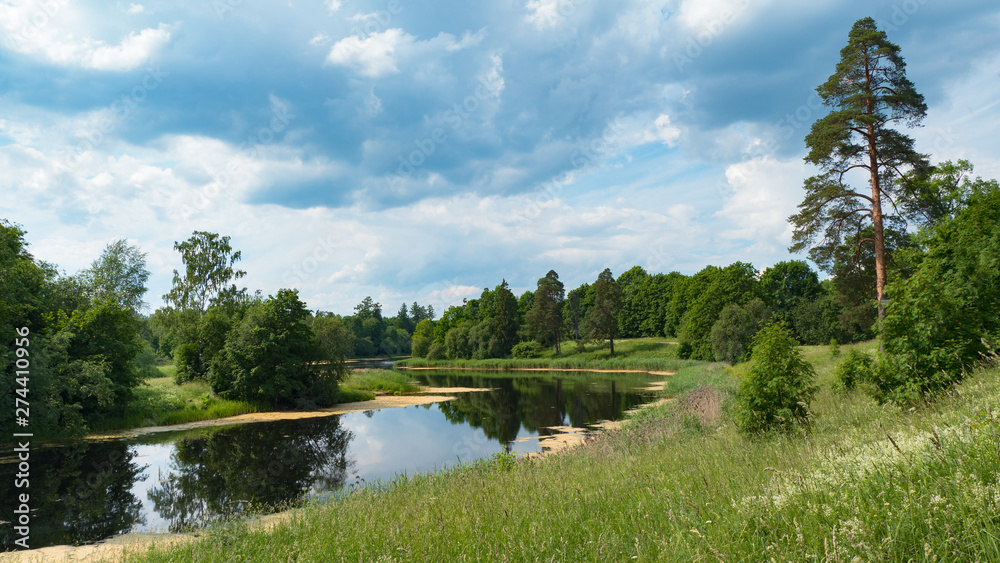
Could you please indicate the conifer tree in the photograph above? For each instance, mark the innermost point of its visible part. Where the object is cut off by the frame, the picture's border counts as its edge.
(868, 94)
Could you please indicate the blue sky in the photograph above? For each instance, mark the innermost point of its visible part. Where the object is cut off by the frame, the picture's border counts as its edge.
(420, 152)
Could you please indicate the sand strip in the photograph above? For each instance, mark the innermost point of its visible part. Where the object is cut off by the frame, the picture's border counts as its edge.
(380, 402)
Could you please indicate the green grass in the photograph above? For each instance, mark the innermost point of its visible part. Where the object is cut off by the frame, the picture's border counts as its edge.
(651, 354)
(159, 401)
(867, 483)
(382, 380)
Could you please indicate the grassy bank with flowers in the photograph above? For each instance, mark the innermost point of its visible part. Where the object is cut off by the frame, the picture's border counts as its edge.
(680, 483)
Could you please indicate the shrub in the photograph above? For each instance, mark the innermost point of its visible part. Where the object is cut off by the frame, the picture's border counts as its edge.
(855, 369)
(421, 345)
(187, 360)
(581, 347)
(436, 351)
(933, 330)
(834, 348)
(732, 335)
(527, 349)
(778, 384)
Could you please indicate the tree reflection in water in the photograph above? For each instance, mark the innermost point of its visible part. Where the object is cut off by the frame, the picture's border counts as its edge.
(262, 466)
(85, 495)
(534, 402)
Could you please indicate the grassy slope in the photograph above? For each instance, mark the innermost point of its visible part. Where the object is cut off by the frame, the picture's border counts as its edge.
(870, 482)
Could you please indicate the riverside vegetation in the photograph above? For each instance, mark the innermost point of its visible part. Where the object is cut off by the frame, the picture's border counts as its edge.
(682, 483)
(891, 456)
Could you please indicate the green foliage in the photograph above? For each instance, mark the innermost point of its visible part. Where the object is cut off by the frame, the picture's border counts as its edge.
(602, 318)
(382, 380)
(868, 94)
(504, 321)
(119, 276)
(423, 335)
(787, 284)
(777, 387)
(633, 310)
(333, 336)
(940, 320)
(575, 307)
(527, 349)
(436, 351)
(732, 335)
(208, 270)
(272, 358)
(735, 284)
(457, 344)
(544, 320)
(943, 192)
(857, 368)
(834, 348)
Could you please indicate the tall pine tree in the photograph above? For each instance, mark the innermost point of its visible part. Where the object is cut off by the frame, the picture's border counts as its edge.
(868, 93)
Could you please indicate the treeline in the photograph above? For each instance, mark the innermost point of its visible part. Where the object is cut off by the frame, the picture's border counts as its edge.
(88, 346)
(711, 313)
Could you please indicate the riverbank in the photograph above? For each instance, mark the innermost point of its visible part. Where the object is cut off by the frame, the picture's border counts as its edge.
(379, 402)
(868, 481)
(647, 355)
(159, 402)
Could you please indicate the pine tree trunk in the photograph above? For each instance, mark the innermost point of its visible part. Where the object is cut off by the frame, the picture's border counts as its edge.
(880, 277)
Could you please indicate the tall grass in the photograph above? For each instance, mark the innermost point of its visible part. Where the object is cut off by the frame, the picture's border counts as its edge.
(866, 483)
(159, 402)
(381, 380)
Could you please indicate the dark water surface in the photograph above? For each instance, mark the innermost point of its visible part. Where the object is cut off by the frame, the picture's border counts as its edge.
(87, 491)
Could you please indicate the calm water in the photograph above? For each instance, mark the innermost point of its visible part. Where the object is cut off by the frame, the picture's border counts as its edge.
(86, 491)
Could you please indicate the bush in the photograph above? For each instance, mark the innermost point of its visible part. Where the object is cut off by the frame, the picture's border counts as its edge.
(778, 385)
(528, 349)
(933, 330)
(421, 345)
(855, 369)
(436, 351)
(581, 347)
(187, 360)
(732, 335)
(834, 348)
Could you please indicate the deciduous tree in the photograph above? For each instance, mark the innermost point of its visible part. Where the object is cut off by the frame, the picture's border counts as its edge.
(118, 276)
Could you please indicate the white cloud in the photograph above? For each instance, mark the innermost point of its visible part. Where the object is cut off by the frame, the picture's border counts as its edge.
(468, 40)
(711, 16)
(132, 52)
(545, 14)
(372, 56)
(135, 9)
(764, 192)
(665, 132)
(378, 54)
(47, 30)
(333, 5)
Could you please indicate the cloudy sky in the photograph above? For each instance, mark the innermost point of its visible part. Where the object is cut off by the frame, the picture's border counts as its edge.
(422, 151)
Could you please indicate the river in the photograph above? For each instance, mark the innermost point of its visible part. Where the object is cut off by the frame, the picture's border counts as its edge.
(86, 491)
